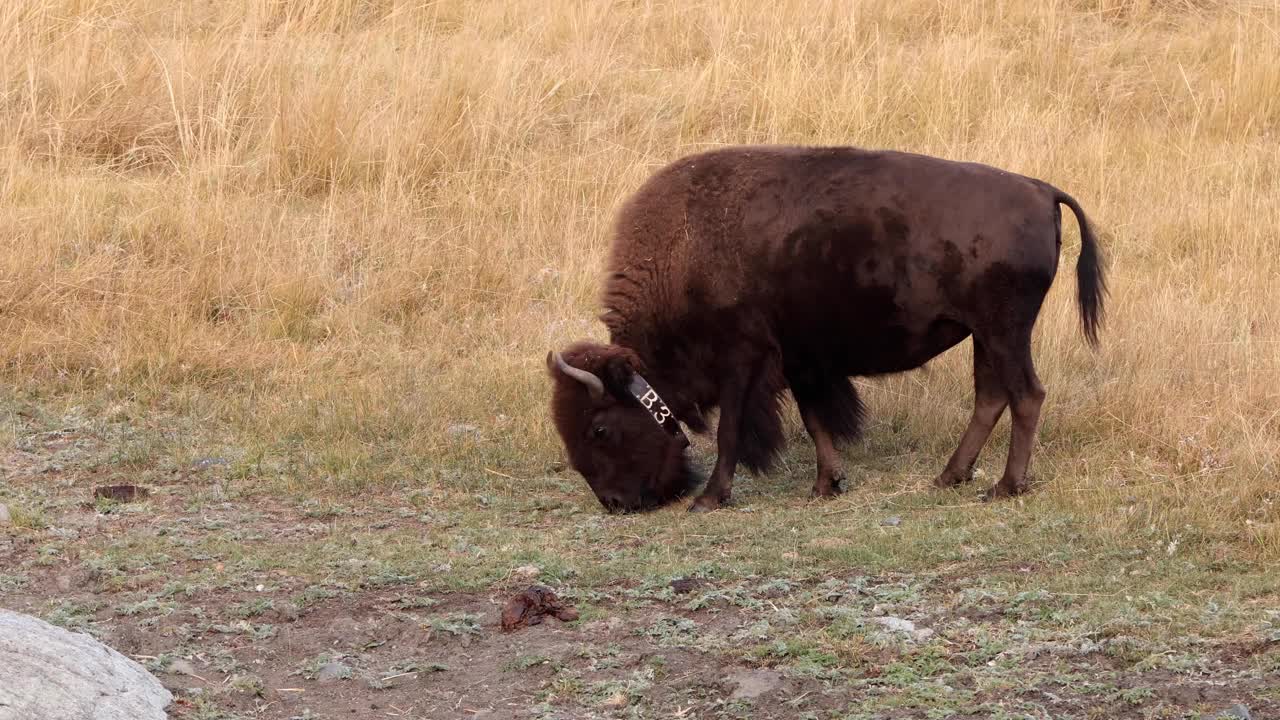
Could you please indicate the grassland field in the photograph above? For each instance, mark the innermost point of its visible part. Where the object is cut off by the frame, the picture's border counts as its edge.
(294, 266)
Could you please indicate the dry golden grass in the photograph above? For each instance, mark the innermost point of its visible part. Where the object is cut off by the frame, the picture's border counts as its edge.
(342, 226)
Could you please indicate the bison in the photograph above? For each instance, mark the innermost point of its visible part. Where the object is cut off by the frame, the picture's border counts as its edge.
(741, 272)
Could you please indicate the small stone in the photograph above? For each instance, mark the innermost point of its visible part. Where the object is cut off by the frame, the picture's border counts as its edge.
(5, 517)
(527, 572)
(345, 626)
(894, 521)
(617, 700)
(332, 671)
(1236, 711)
(754, 683)
(207, 462)
(896, 624)
(462, 429)
(610, 624)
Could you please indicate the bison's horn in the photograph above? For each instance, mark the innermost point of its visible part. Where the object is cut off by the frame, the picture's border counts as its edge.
(593, 383)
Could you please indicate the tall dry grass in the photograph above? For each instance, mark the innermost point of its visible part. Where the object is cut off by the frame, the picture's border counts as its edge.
(344, 226)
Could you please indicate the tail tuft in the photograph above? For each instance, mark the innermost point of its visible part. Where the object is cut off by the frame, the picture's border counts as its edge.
(1091, 281)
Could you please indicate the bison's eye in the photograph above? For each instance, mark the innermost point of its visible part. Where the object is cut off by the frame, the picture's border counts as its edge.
(599, 432)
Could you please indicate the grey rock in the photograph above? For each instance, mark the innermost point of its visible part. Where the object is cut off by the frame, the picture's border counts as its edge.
(333, 671)
(5, 517)
(896, 624)
(894, 521)
(754, 683)
(50, 673)
(1236, 711)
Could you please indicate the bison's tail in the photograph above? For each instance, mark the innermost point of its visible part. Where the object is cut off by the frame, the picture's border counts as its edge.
(1091, 282)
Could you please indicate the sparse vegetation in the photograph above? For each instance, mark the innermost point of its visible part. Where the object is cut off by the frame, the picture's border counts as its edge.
(295, 267)
(459, 624)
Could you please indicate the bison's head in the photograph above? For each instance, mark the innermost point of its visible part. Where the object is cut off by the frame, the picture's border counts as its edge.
(631, 461)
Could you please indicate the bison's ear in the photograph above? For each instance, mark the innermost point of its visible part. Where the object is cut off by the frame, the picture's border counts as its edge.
(618, 373)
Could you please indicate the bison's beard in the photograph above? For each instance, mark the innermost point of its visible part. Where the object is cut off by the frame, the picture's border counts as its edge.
(684, 479)
(676, 479)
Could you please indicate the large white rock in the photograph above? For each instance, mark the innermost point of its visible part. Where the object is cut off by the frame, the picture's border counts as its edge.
(48, 673)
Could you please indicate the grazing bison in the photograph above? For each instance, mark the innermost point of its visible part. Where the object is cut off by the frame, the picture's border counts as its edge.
(741, 272)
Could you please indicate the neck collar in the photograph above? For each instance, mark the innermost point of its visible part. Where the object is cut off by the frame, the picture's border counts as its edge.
(658, 410)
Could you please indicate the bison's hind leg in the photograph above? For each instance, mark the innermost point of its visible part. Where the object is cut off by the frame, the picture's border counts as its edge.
(832, 413)
(1026, 395)
(989, 401)
(1003, 377)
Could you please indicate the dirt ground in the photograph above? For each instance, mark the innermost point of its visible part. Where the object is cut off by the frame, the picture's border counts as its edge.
(369, 654)
(260, 608)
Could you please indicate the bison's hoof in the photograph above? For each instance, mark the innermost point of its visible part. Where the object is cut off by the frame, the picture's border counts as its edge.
(949, 479)
(830, 487)
(705, 503)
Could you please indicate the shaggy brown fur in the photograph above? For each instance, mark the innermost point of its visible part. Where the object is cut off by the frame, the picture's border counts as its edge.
(739, 273)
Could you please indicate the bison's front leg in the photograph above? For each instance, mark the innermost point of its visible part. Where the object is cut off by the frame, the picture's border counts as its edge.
(745, 409)
(720, 484)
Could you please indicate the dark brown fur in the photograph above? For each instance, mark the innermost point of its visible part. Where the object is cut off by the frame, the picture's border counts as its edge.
(739, 273)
